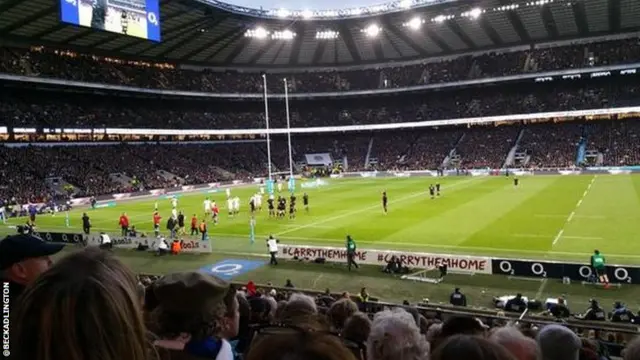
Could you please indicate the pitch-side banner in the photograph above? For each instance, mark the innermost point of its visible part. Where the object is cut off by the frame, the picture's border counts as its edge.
(459, 263)
(187, 246)
(318, 159)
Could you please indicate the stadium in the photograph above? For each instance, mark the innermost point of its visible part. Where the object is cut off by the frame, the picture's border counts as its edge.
(165, 149)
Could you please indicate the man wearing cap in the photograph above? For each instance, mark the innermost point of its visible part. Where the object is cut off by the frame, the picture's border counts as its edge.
(22, 259)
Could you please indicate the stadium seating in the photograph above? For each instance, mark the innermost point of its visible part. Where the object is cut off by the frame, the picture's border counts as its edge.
(40, 61)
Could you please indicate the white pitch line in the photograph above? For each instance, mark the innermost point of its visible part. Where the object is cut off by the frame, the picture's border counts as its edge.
(558, 236)
(541, 289)
(583, 237)
(359, 211)
(573, 213)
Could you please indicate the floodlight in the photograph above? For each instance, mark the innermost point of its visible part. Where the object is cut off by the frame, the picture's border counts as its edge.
(372, 30)
(475, 13)
(283, 35)
(415, 23)
(439, 18)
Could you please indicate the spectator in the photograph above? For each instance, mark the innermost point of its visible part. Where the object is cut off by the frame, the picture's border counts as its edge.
(22, 259)
(520, 346)
(558, 343)
(357, 328)
(471, 348)
(395, 335)
(191, 316)
(339, 312)
(84, 307)
(299, 344)
(516, 304)
(299, 305)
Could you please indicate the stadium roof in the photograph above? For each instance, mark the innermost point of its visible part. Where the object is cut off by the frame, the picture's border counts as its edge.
(193, 32)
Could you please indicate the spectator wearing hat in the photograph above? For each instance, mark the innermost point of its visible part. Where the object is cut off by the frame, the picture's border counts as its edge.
(22, 259)
(191, 316)
(558, 343)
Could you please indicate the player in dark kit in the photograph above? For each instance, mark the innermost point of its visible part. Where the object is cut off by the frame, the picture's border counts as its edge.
(282, 206)
(292, 207)
(272, 212)
(384, 202)
(432, 191)
(515, 181)
(305, 201)
(438, 189)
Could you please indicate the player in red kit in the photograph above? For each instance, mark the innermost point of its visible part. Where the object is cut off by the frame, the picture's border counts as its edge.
(156, 223)
(215, 210)
(124, 224)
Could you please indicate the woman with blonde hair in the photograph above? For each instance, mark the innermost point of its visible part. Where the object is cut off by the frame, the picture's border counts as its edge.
(85, 307)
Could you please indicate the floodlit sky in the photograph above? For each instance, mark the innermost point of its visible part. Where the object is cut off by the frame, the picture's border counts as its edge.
(305, 4)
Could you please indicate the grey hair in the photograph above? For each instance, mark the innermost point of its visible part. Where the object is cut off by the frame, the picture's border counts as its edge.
(519, 345)
(272, 303)
(395, 336)
(305, 299)
(433, 332)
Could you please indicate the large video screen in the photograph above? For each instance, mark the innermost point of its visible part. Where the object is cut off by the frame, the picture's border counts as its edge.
(139, 18)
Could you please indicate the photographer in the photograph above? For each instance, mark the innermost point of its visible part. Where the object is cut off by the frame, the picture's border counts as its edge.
(457, 298)
(621, 314)
(593, 313)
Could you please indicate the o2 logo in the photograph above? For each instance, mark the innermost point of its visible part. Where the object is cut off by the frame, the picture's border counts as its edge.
(74, 3)
(151, 17)
(506, 267)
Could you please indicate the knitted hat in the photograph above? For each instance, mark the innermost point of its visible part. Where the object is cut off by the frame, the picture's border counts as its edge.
(558, 343)
(189, 291)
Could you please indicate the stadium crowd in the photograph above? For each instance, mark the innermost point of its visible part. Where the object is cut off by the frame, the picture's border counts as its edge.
(40, 61)
(108, 168)
(25, 108)
(194, 315)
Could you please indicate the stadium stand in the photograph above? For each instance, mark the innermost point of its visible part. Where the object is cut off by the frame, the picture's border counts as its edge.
(45, 62)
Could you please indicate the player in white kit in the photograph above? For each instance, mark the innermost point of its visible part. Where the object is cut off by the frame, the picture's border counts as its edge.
(207, 206)
(174, 202)
(236, 205)
(228, 193)
(230, 206)
(174, 213)
(257, 201)
(279, 187)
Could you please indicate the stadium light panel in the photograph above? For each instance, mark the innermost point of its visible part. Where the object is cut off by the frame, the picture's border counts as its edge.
(283, 35)
(414, 23)
(327, 35)
(475, 13)
(372, 30)
(442, 18)
(258, 33)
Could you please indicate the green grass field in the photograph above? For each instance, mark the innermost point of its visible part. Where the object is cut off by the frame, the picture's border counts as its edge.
(546, 217)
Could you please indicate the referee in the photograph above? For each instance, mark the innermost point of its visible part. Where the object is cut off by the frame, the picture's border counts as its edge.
(351, 252)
